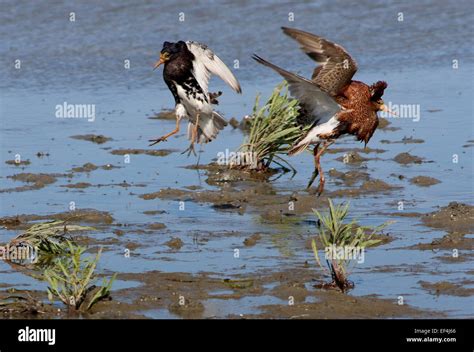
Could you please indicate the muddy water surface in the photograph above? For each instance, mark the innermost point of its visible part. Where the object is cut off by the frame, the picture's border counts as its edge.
(183, 224)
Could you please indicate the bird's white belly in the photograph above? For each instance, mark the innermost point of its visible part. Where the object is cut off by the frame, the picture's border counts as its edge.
(194, 105)
(324, 128)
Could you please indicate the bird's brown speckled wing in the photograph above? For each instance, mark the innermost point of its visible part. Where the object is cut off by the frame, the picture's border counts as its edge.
(337, 66)
(319, 105)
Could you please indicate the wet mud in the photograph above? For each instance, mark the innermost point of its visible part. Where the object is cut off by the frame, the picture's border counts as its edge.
(94, 138)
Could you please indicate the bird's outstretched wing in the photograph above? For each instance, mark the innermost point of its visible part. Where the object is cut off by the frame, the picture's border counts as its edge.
(208, 63)
(337, 66)
(319, 104)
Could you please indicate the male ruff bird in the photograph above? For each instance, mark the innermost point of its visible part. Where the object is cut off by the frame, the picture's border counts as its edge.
(332, 103)
(187, 69)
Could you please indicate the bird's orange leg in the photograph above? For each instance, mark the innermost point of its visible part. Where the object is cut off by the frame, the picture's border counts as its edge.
(163, 138)
(318, 169)
(193, 138)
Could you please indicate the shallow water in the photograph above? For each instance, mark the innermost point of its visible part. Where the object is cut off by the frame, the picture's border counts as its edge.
(82, 62)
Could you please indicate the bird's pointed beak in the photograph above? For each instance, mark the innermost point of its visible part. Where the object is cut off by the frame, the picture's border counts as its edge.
(386, 109)
(159, 62)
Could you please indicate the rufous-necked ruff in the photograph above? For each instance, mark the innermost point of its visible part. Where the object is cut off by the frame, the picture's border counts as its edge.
(332, 103)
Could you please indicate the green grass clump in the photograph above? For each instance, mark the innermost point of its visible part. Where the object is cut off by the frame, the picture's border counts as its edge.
(335, 235)
(70, 279)
(273, 129)
(46, 240)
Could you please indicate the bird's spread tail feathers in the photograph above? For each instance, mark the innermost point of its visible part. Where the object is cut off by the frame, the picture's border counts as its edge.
(208, 128)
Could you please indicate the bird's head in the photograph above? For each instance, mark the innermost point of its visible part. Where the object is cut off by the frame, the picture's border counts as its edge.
(376, 92)
(169, 52)
(379, 105)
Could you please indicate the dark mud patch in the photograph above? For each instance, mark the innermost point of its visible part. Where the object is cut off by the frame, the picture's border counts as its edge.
(193, 187)
(260, 198)
(164, 115)
(94, 138)
(22, 304)
(349, 178)
(167, 193)
(35, 181)
(154, 212)
(156, 226)
(252, 240)
(10, 222)
(109, 167)
(123, 184)
(454, 240)
(294, 290)
(187, 308)
(326, 304)
(366, 150)
(172, 291)
(217, 175)
(405, 140)
(448, 288)
(118, 232)
(175, 243)
(239, 191)
(165, 291)
(239, 284)
(151, 152)
(451, 258)
(368, 187)
(456, 217)
(424, 181)
(227, 206)
(18, 163)
(44, 179)
(89, 216)
(335, 305)
(87, 167)
(352, 157)
(405, 214)
(407, 158)
(30, 304)
(79, 185)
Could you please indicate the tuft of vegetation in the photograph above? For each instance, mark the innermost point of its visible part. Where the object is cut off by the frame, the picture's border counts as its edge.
(343, 243)
(273, 129)
(70, 279)
(45, 240)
